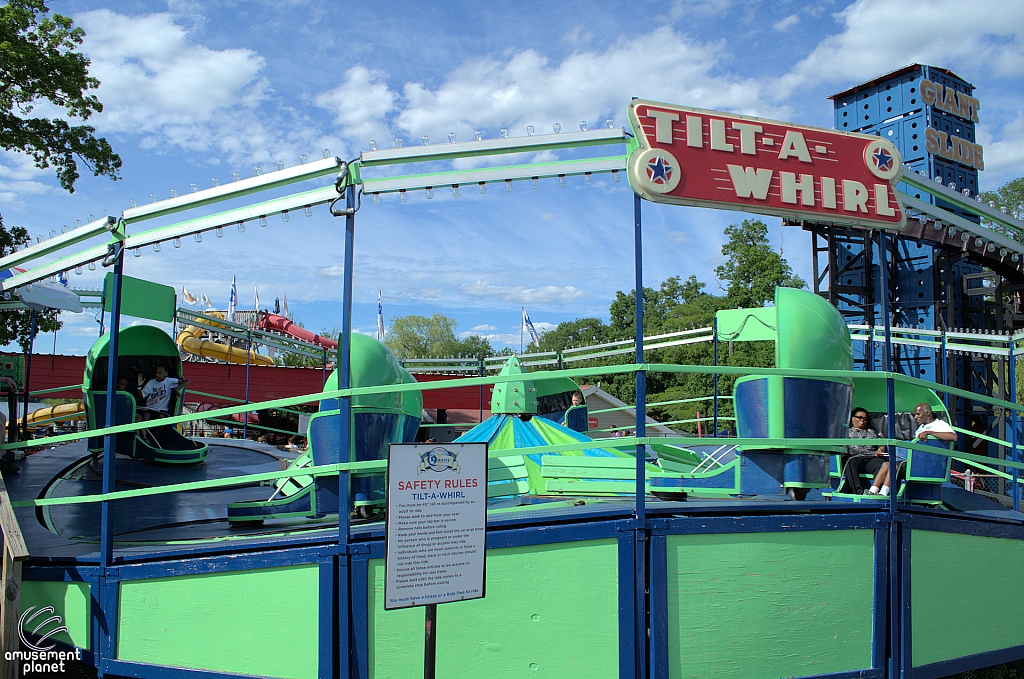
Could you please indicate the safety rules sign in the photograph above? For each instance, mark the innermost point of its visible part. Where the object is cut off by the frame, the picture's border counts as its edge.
(436, 523)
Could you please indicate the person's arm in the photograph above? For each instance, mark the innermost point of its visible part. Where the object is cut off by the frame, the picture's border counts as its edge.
(948, 436)
(941, 431)
(182, 383)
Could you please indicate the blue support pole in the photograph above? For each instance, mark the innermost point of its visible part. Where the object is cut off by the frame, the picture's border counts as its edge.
(245, 415)
(27, 381)
(640, 555)
(344, 369)
(895, 601)
(110, 440)
(641, 375)
(944, 362)
(714, 352)
(1014, 453)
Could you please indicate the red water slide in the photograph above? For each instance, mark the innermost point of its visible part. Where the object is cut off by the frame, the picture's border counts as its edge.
(275, 323)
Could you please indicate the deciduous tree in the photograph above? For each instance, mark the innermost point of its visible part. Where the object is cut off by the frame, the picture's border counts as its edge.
(39, 64)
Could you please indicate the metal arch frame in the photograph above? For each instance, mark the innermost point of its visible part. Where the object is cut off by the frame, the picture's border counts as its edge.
(110, 576)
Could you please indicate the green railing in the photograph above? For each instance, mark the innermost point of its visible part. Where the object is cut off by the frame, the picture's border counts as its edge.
(811, 445)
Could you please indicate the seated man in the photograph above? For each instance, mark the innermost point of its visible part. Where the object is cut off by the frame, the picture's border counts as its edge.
(157, 393)
(862, 459)
(928, 426)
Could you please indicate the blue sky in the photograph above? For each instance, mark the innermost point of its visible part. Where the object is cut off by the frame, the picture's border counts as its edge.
(195, 91)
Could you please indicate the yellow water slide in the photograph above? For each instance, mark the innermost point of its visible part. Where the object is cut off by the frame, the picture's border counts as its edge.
(191, 340)
(65, 412)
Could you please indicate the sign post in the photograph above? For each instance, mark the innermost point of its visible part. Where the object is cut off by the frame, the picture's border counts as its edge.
(436, 530)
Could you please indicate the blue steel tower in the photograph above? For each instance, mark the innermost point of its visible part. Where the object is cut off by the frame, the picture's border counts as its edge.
(940, 280)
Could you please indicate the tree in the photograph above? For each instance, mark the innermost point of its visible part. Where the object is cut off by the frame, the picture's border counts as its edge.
(1008, 198)
(583, 332)
(432, 337)
(39, 64)
(753, 270)
(16, 324)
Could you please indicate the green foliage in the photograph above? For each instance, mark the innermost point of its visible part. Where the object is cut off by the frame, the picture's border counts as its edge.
(754, 270)
(433, 337)
(39, 64)
(751, 273)
(583, 332)
(16, 324)
(1009, 198)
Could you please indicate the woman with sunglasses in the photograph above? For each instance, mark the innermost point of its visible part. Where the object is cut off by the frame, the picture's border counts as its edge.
(861, 459)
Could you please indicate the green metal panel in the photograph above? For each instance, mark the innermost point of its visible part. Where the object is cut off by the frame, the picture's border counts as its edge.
(952, 613)
(550, 611)
(746, 325)
(261, 622)
(768, 605)
(871, 395)
(70, 600)
(514, 397)
(811, 332)
(142, 298)
(373, 365)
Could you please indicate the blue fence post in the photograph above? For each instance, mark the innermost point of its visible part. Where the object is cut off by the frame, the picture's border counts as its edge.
(248, 352)
(714, 357)
(1014, 453)
(27, 381)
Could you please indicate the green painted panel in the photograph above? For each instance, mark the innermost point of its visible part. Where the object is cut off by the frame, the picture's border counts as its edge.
(70, 600)
(951, 614)
(550, 611)
(812, 333)
(746, 325)
(142, 298)
(262, 622)
(770, 605)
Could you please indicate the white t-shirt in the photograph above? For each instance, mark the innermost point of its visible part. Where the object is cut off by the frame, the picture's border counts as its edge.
(936, 426)
(158, 394)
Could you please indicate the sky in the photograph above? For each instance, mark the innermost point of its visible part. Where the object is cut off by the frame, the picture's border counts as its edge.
(200, 90)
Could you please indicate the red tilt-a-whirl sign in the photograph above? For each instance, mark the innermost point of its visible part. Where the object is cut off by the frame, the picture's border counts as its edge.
(689, 156)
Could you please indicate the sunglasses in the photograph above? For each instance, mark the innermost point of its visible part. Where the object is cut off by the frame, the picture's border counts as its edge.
(860, 417)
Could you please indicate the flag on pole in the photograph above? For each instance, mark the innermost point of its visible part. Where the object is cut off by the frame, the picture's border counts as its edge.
(528, 326)
(188, 296)
(380, 319)
(284, 307)
(232, 301)
(277, 305)
(206, 301)
(255, 298)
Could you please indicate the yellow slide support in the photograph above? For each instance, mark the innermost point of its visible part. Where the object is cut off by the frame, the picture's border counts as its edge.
(190, 340)
(65, 412)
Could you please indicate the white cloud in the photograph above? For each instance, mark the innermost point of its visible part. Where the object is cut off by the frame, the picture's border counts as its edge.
(783, 24)
(485, 327)
(360, 103)
(153, 77)
(19, 175)
(526, 88)
(158, 84)
(879, 36)
(1007, 154)
(522, 295)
